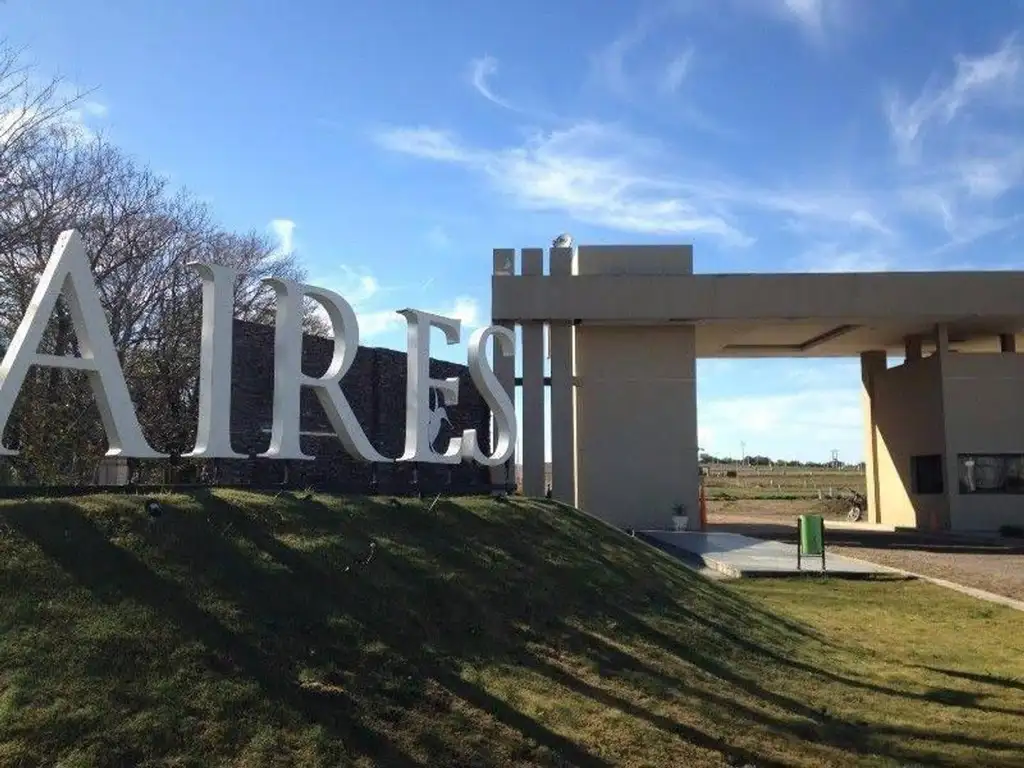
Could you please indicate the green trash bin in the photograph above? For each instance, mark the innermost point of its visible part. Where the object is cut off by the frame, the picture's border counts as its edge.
(811, 533)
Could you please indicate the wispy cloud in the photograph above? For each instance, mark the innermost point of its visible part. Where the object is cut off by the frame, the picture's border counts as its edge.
(586, 171)
(610, 62)
(818, 21)
(677, 70)
(603, 175)
(958, 144)
(622, 67)
(481, 71)
(808, 14)
(992, 80)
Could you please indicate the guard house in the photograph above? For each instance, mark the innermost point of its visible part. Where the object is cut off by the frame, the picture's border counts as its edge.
(943, 429)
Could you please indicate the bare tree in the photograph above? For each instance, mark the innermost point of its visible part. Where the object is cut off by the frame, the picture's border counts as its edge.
(140, 238)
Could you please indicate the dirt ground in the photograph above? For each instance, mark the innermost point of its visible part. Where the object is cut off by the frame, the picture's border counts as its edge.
(993, 564)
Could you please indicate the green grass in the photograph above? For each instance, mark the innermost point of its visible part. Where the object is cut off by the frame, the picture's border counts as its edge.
(237, 629)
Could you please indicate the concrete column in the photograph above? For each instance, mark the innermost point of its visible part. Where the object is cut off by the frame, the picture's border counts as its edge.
(913, 348)
(505, 366)
(871, 364)
(942, 339)
(636, 403)
(636, 423)
(533, 389)
(1007, 342)
(563, 422)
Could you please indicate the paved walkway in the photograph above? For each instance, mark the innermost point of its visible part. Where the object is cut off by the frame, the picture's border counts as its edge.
(737, 555)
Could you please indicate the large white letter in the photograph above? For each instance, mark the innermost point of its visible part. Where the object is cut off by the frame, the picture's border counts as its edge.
(419, 436)
(494, 394)
(289, 378)
(68, 271)
(213, 436)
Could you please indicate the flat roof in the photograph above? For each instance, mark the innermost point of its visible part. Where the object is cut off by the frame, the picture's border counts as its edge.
(780, 315)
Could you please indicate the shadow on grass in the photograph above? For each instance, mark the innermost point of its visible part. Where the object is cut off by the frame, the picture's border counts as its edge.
(362, 619)
(113, 574)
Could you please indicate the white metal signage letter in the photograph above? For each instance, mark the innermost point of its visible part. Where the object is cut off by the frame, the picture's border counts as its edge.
(289, 378)
(494, 394)
(68, 271)
(418, 435)
(213, 436)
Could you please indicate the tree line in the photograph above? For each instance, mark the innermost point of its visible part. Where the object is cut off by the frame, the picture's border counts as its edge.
(140, 234)
(765, 461)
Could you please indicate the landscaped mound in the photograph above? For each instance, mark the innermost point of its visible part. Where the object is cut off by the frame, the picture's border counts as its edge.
(235, 628)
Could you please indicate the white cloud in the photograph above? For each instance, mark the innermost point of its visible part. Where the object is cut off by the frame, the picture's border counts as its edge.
(466, 309)
(815, 19)
(992, 80)
(481, 71)
(602, 175)
(806, 424)
(677, 70)
(78, 119)
(284, 233)
(380, 322)
(809, 14)
(589, 171)
(427, 143)
(376, 305)
(958, 143)
(610, 63)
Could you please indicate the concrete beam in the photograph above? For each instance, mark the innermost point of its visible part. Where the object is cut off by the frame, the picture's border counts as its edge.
(855, 298)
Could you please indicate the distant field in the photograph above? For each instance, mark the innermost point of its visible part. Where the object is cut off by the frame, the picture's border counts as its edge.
(779, 482)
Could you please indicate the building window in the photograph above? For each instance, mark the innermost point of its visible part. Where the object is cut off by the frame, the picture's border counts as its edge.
(926, 474)
(991, 472)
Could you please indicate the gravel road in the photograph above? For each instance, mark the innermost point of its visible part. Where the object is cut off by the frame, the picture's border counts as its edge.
(992, 564)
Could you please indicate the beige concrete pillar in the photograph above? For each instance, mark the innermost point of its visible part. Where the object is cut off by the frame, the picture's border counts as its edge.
(533, 389)
(942, 339)
(504, 365)
(1007, 342)
(636, 403)
(636, 423)
(871, 364)
(563, 425)
(913, 348)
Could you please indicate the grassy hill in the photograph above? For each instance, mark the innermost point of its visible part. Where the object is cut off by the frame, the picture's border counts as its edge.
(244, 629)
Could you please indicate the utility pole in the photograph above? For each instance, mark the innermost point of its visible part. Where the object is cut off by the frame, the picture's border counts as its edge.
(743, 452)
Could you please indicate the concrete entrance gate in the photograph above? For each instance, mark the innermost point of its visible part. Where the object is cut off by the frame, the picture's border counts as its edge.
(626, 324)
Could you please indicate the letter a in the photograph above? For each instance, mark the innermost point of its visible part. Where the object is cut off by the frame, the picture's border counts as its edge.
(68, 271)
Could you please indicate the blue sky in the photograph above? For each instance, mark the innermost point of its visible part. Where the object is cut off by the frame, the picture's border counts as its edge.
(392, 145)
